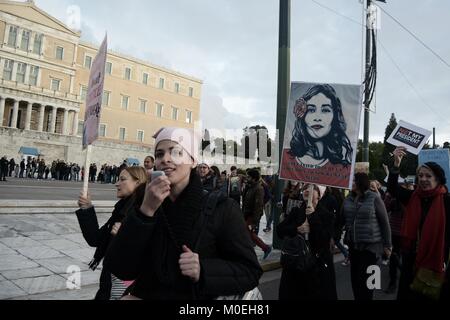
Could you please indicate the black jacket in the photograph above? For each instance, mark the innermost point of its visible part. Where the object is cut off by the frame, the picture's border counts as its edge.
(319, 283)
(145, 249)
(100, 239)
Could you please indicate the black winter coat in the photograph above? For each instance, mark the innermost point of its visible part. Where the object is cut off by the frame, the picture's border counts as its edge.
(100, 239)
(319, 283)
(145, 249)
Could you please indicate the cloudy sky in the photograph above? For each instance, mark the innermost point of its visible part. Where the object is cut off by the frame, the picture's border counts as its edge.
(232, 45)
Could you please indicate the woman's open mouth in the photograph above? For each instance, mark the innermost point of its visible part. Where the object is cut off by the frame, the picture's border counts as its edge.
(317, 127)
(168, 171)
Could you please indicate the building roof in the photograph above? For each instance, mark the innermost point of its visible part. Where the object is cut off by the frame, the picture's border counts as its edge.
(29, 11)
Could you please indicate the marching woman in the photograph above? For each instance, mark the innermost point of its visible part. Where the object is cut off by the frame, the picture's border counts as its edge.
(182, 243)
(317, 282)
(130, 190)
(425, 232)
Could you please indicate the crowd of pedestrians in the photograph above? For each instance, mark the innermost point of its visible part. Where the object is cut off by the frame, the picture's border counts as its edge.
(190, 232)
(37, 168)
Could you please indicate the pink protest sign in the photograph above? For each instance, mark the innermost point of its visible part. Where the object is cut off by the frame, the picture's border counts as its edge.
(94, 96)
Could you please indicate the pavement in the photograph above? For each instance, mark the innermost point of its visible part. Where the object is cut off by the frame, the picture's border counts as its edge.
(39, 251)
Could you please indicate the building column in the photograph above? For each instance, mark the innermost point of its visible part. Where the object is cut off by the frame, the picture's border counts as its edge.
(64, 126)
(75, 123)
(72, 81)
(19, 37)
(15, 113)
(28, 116)
(31, 43)
(14, 71)
(2, 66)
(41, 118)
(27, 74)
(53, 120)
(2, 110)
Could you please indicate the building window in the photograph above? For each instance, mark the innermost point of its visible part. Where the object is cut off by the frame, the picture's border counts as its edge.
(87, 62)
(177, 87)
(159, 110)
(102, 130)
(127, 73)
(143, 106)
(191, 92)
(55, 84)
(122, 134)
(108, 68)
(105, 99)
(140, 135)
(25, 40)
(21, 69)
(37, 43)
(83, 93)
(174, 113)
(161, 83)
(80, 127)
(188, 116)
(7, 70)
(12, 38)
(34, 73)
(59, 53)
(145, 78)
(125, 100)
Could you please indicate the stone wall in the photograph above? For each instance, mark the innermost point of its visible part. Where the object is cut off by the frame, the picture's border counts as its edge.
(68, 148)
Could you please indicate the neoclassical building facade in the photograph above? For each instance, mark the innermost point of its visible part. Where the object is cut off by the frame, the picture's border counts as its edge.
(44, 71)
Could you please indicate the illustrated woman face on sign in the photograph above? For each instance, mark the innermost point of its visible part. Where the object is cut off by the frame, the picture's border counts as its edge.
(319, 134)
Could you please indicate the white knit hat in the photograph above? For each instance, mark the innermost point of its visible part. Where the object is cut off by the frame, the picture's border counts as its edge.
(183, 136)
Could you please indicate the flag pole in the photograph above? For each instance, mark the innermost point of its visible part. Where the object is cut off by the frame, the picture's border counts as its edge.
(86, 170)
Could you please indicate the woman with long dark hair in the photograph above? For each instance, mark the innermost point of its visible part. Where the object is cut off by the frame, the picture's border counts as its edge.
(320, 148)
(319, 133)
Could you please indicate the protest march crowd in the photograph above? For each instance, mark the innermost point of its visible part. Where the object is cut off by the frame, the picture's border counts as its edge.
(181, 229)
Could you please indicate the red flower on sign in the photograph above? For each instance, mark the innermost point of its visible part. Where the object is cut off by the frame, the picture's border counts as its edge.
(300, 108)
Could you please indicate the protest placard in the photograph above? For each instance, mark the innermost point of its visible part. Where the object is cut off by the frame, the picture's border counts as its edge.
(321, 134)
(407, 135)
(94, 96)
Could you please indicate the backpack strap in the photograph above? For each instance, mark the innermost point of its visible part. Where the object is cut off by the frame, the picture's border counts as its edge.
(210, 201)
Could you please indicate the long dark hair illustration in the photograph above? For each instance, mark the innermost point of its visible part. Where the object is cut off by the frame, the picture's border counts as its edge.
(336, 145)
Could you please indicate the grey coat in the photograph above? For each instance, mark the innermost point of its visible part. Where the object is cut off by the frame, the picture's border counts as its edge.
(366, 222)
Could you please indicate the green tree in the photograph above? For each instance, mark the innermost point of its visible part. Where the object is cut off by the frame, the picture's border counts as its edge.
(386, 156)
(446, 145)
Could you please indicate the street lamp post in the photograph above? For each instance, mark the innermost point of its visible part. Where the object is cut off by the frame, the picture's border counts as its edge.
(284, 63)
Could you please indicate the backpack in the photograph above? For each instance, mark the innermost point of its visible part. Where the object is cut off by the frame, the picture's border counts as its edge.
(210, 204)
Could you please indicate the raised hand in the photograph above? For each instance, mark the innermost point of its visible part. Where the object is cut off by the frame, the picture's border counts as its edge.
(155, 193)
(399, 153)
(84, 202)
